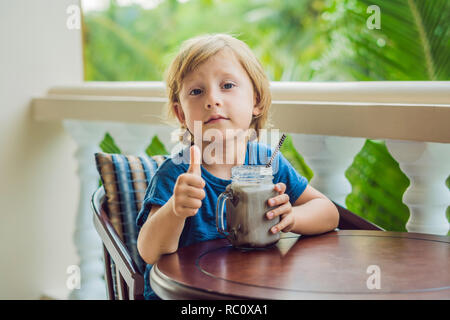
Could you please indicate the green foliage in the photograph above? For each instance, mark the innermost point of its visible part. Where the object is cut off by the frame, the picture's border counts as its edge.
(156, 147)
(377, 187)
(412, 43)
(298, 40)
(132, 44)
(295, 159)
(108, 144)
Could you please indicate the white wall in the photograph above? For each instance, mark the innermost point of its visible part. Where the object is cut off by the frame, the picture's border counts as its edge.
(38, 182)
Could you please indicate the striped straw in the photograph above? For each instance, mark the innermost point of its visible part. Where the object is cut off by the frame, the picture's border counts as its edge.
(276, 150)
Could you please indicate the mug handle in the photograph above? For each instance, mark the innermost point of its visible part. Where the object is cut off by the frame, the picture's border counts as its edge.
(219, 212)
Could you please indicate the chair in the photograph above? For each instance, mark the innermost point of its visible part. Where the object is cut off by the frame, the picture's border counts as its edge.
(115, 206)
(124, 280)
(124, 270)
(351, 221)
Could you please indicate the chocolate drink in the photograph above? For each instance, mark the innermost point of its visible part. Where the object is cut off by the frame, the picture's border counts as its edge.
(247, 225)
(246, 215)
(246, 199)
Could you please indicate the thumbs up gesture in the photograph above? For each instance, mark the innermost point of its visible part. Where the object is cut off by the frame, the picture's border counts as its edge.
(188, 192)
(196, 160)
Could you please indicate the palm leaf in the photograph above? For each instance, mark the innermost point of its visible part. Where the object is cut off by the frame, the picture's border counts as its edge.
(378, 185)
(412, 44)
(108, 144)
(156, 147)
(295, 159)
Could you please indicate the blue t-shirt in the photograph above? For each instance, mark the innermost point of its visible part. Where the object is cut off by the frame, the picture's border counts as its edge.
(202, 226)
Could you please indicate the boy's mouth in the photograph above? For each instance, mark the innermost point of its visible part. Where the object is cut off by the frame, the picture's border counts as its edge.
(216, 118)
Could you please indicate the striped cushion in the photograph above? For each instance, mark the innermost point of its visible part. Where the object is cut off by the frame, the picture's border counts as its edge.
(125, 179)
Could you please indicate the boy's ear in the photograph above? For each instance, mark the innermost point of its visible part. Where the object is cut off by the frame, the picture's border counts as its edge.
(179, 112)
(256, 108)
(256, 111)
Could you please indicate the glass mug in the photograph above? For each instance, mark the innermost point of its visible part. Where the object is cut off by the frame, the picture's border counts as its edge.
(246, 200)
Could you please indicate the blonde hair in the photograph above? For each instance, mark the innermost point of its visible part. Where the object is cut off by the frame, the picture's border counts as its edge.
(197, 50)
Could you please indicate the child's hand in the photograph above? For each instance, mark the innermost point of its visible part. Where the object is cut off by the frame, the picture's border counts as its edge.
(284, 210)
(188, 192)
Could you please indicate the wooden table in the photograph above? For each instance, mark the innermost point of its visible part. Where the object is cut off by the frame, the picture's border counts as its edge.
(346, 264)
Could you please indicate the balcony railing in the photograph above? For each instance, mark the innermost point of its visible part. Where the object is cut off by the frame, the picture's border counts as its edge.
(328, 122)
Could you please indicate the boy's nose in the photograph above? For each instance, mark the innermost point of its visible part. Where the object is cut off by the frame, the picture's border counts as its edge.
(213, 98)
(209, 105)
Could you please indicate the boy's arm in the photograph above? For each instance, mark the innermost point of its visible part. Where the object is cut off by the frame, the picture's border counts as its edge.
(314, 213)
(160, 233)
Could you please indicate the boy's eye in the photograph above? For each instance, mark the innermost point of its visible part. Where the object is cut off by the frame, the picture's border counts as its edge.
(228, 85)
(195, 92)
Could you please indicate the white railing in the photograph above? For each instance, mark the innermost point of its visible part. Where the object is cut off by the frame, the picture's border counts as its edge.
(328, 122)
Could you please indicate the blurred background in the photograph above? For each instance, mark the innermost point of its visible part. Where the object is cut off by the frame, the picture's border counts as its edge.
(296, 40)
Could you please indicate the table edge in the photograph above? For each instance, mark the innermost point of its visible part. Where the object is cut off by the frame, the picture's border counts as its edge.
(168, 288)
